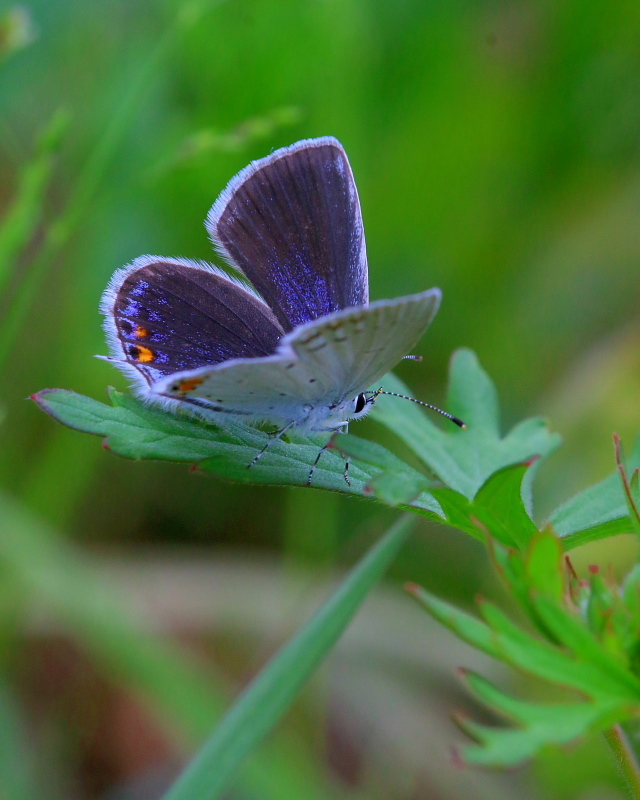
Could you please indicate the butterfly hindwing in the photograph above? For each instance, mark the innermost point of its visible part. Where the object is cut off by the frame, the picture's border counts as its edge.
(292, 224)
(166, 315)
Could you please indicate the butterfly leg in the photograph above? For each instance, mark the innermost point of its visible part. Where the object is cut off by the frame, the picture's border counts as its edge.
(315, 463)
(270, 441)
(347, 461)
(345, 474)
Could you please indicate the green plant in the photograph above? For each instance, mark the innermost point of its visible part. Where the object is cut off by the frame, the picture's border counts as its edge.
(582, 636)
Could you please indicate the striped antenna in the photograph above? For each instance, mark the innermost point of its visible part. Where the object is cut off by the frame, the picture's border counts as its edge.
(446, 414)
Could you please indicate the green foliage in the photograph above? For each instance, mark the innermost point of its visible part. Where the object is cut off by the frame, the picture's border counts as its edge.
(473, 479)
(22, 218)
(464, 459)
(471, 459)
(496, 152)
(136, 430)
(586, 641)
(597, 512)
(584, 638)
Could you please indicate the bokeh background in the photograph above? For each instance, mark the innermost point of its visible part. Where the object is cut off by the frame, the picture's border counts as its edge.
(496, 147)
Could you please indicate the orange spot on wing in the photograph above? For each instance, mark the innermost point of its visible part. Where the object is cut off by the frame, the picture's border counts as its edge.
(141, 332)
(143, 355)
(189, 385)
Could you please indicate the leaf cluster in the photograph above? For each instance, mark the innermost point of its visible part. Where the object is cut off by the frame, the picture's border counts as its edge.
(580, 636)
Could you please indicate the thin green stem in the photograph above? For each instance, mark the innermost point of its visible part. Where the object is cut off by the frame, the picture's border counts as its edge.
(626, 760)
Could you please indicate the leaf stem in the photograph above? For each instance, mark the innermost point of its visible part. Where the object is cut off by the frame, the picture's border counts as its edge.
(626, 760)
(634, 514)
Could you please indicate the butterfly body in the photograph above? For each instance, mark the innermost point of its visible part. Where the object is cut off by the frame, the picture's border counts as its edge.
(297, 347)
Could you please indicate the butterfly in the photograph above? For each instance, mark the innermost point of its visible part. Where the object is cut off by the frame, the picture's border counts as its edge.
(295, 345)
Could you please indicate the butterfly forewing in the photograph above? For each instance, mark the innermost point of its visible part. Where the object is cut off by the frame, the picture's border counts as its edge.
(319, 365)
(168, 315)
(292, 224)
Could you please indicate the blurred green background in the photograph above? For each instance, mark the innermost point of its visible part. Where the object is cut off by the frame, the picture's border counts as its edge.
(496, 147)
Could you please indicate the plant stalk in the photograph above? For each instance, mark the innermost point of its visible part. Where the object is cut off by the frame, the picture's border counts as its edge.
(626, 760)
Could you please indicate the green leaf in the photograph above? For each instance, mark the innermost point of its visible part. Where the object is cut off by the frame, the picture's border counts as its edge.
(271, 693)
(597, 512)
(574, 634)
(538, 724)
(613, 692)
(544, 567)
(540, 658)
(137, 430)
(464, 459)
(497, 509)
(510, 566)
(500, 499)
(501, 638)
(396, 483)
(469, 628)
(458, 512)
(539, 571)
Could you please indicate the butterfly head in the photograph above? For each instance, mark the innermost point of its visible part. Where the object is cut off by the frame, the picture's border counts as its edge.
(338, 414)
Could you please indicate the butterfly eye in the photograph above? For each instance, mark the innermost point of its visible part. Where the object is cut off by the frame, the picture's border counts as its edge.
(361, 402)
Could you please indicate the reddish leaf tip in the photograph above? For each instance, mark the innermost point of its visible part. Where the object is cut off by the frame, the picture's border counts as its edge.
(594, 569)
(531, 461)
(105, 445)
(411, 588)
(480, 599)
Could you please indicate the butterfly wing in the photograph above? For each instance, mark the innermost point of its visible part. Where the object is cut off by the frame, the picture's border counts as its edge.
(165, 315)
(316, 367)
(292, 224)
(350, 350)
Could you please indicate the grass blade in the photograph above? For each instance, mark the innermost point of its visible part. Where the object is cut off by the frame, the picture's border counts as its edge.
(60, 230)
(24, 214)
(271, 693)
